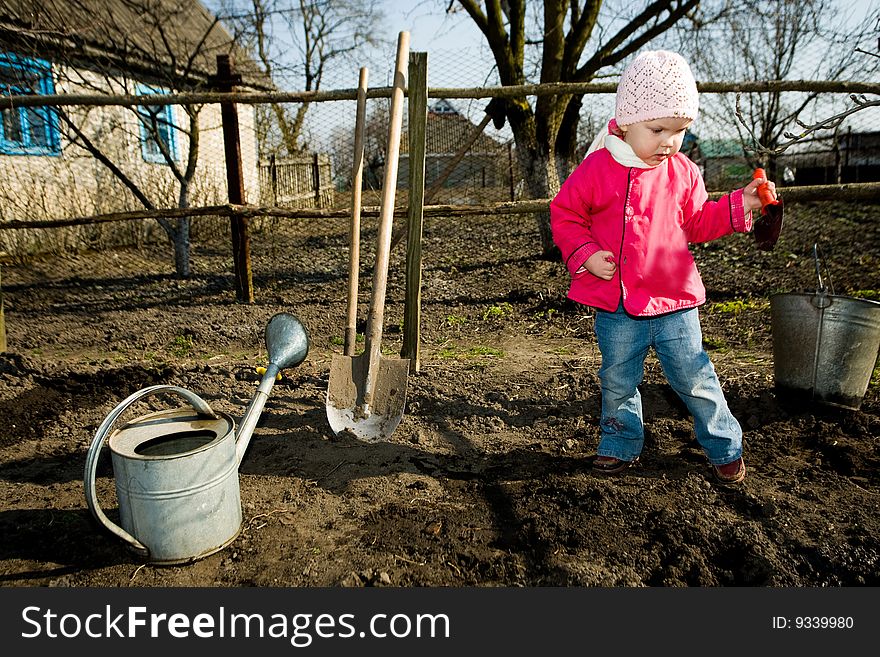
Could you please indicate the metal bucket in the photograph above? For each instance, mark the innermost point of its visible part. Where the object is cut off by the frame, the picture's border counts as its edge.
(824, 346)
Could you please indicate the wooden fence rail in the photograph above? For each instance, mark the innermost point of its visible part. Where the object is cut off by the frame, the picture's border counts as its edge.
(850, 191)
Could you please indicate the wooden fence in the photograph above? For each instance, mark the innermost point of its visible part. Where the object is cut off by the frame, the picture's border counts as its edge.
(302, 181)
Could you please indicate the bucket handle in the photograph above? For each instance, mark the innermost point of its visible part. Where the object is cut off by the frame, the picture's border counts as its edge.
(821, 299)
(817, 257)
(199, 404)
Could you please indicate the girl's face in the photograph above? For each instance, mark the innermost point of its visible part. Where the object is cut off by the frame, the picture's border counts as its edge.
(654, 141)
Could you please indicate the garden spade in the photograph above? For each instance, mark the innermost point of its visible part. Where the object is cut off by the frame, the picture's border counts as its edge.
(768, 226)
(366, 393)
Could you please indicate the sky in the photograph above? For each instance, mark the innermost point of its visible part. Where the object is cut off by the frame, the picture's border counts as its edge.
(455, 46)
(430, 27)
(457, 53)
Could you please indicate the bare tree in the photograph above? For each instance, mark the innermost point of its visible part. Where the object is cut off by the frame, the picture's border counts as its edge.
(574, 47)
(296, 43)
(785, 40)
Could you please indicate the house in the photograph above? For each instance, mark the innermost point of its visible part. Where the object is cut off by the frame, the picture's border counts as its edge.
(482, 174)
(847, 157)
(48, 162)
(722, 162)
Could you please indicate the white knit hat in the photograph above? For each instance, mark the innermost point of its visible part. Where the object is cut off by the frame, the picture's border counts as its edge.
(657, 84)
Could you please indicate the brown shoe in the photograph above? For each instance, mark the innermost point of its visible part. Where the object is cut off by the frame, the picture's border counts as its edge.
(611, 465)
(730, 473)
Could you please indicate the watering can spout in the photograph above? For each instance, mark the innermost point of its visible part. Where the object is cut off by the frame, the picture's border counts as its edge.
(287, 343)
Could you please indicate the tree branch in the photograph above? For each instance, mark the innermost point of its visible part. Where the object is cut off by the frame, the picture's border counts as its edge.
(829, 123)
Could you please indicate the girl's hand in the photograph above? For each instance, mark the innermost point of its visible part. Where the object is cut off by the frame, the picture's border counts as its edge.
(750, 193)
(601, 264)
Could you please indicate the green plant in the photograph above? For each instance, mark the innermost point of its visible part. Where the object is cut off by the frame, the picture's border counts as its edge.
(545, 314)
(497, 312)
(448, 352)
(455, 320)
(871, 295)
(714, 343)
(181, 346)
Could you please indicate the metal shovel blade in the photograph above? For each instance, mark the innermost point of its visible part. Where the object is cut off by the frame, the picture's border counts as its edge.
(349, 407)
(768, 226)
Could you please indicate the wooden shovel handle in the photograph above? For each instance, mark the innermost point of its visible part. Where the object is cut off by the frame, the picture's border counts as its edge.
(357, 175)
(373, 337)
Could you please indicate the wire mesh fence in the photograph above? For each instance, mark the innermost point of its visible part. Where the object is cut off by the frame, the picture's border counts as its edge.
(125, 155)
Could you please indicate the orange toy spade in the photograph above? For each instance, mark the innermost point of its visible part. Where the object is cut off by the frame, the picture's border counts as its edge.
(768, 226)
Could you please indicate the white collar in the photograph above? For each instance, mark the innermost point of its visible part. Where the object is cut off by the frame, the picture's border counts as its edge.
(624, 154)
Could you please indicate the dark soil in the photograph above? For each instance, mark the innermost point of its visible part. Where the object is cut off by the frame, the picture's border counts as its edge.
(487, 480)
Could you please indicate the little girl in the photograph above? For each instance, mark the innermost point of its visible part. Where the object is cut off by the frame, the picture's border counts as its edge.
(623, 220)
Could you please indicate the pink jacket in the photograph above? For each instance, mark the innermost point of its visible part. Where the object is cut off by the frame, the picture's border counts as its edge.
(646, 218)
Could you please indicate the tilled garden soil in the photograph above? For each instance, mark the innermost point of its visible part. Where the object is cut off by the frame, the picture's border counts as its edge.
(487, 480)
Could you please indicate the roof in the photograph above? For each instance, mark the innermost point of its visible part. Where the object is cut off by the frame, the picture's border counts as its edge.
(720, 148)
(156, 41)
(447, 131)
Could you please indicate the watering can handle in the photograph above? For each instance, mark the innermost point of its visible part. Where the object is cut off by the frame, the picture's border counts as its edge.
(199, 404)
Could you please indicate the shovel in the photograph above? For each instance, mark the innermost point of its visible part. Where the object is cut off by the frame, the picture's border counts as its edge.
(768, 226)
(366, 393)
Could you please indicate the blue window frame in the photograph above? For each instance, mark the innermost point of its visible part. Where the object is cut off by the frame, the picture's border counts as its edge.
(157, 129)
(27, 130)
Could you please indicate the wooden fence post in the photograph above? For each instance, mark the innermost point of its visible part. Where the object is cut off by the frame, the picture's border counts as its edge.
(224, 81)
(510, 170)
(273, 174)
(417, 98)
(316, 176)
(2, 320)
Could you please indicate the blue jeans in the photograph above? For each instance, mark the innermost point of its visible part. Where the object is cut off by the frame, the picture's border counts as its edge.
(677, 339)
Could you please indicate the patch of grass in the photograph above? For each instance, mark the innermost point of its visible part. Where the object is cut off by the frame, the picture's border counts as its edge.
(181, 346)
(714, 344)
(870, 295)
(455, 320)
(736, 306)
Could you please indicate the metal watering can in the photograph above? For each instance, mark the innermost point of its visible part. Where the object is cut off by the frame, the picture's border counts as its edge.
(176, 470)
